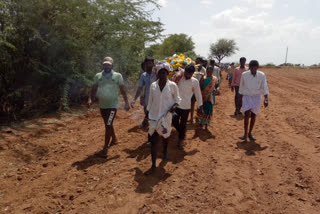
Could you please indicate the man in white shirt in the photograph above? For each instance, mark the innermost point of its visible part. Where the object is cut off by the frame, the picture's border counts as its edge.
(202, 69)
(253, 84)
(163, 98)
(216, 73)
(216, 70)
(188, 86)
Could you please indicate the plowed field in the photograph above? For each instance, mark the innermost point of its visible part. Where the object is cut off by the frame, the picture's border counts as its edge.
(48, 165)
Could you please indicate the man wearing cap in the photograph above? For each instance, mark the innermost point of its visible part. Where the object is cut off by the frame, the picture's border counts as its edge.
(253, 84)
(105, 87)
(146, 79)
(163, 99)
(188, 87)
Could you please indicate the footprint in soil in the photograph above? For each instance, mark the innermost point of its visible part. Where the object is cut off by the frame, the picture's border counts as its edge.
(250, 147)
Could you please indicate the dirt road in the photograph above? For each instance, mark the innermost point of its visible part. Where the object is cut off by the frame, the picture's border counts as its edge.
(50, 166)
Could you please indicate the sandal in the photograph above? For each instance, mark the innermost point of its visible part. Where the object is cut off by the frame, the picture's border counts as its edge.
(251, 137)
(244, 137)
(181, 146)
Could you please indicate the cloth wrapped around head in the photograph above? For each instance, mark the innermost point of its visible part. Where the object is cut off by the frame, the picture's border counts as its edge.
(164, 65)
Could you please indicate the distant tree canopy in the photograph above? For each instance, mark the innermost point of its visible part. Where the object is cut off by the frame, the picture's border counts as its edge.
(175, 43)
(222, 48)
(286, 64)
(270, 64)
(46, 44)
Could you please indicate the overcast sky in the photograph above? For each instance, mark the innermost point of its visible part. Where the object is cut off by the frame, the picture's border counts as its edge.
(262, 29)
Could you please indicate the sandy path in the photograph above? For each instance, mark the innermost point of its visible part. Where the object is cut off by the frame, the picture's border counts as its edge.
(52, 168)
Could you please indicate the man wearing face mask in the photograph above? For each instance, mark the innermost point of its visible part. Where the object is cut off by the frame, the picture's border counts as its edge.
(105, 87)
(188, 86)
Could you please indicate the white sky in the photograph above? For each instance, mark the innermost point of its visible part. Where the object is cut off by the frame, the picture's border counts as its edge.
(262, 29)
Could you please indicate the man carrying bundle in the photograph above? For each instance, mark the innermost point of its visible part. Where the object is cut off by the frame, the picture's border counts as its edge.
(163, 99)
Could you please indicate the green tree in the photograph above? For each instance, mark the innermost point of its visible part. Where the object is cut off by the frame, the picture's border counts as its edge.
(152, 50)
(47, 45)
(270, 64)
(175, 43)
(223, 48)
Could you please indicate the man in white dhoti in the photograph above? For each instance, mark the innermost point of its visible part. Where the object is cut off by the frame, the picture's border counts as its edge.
(252, 85)
(163, 99)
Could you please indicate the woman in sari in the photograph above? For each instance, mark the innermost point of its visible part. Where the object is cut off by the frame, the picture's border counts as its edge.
(208, 86)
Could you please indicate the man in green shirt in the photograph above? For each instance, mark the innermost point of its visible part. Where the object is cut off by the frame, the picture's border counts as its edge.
(106, 85)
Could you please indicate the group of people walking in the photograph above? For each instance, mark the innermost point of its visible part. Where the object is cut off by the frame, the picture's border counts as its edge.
(168, 103)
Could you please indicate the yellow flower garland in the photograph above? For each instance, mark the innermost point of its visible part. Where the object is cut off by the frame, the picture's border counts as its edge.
(178, 61)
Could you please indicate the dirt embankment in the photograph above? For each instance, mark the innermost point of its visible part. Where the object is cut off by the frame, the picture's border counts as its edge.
(50, 167)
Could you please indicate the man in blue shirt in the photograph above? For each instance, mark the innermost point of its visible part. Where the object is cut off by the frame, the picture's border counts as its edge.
(146, 79)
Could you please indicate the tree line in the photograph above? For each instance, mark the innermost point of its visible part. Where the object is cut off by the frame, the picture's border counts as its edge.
(51, 49)
(50, 46)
